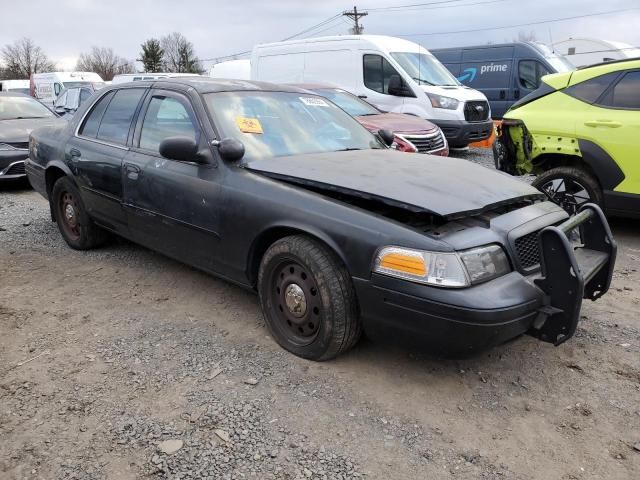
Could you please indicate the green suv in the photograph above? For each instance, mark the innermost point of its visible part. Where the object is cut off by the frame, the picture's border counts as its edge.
(579, 133)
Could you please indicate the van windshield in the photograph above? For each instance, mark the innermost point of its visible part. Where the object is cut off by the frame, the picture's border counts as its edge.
(279, 124)
(425, 69)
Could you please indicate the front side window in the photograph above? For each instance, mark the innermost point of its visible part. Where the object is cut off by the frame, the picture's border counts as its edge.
(13, 108)
(166, 117)
(61, 100)
(275, 124)
(351, 104)
(117, 118)
(530, 72)
(625, 93)
(590, 90)
(57, 88)
(424, 69)
(377, 72)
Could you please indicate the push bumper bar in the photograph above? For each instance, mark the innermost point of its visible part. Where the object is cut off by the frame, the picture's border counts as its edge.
(571, 273)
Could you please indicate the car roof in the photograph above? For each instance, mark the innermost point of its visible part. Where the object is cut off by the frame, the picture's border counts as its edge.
(210, 85)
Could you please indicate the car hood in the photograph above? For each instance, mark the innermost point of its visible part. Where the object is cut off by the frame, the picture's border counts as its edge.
(459, 92)
(445, 186)
(18, 130)
(397, 123)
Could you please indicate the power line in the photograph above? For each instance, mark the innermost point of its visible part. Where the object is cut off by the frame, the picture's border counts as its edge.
(324, 22)
(517, 25)
(399, 7)
(419, 7)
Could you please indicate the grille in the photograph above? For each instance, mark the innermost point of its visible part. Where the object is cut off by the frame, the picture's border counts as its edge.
(476, 111)
(16, 169)
(426, 143)
(528, 250)
(23, 145)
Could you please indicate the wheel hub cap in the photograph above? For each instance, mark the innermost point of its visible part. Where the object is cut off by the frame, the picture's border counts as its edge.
(295, 300)
(69, 212)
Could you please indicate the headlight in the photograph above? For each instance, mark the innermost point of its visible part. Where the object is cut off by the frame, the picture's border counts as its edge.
(439, 101)
(485, 263)
(403, 145)
(4, 146)
(431, 268)
(460, 269)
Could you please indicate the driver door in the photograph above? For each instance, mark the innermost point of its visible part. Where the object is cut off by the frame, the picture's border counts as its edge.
(172, 206)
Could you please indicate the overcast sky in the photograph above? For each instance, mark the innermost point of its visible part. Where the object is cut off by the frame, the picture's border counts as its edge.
(66, 28)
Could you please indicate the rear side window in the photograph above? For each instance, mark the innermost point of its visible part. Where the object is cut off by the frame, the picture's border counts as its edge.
(377, 72)
(625, 93)
(590, 90)
(166, 117)
(116, 120)
(92, 122)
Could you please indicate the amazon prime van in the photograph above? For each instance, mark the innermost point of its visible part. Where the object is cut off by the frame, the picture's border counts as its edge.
(504, 72)
(393, 74)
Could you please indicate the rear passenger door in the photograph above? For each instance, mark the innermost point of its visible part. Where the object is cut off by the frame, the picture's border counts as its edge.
(172, 206)
(95, 153)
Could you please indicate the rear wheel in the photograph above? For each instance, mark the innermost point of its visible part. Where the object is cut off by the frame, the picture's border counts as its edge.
(308, 299)
(569, 187)
(75, 225)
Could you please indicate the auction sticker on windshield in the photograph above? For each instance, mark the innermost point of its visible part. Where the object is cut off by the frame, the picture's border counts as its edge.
(314, 102)
(249, 125)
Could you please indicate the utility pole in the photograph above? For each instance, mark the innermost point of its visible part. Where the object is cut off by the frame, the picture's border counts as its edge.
(355, 16)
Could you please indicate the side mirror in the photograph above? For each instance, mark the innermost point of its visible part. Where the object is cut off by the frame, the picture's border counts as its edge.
(230, 149)
(398, 88)
(387, 136)
(183, 149)
(60, 110)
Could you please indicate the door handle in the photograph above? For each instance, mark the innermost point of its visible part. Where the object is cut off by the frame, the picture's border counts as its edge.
(132, 171)
(503, 94)
(362, 96)
(603, 123)
(516, 93)
(75, 154)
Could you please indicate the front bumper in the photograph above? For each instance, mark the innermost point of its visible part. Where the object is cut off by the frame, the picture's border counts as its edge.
(460, 133)
(463, 321)
(12, 164)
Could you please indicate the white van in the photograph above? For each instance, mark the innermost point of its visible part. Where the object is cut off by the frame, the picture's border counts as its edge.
(15, 86)
(393, 74)
(47, 86)
(234, 69)
(137, 77)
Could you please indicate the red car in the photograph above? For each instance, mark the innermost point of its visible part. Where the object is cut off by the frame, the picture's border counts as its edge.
(412, 134)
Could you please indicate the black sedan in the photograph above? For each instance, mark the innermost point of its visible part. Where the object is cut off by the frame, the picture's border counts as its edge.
(280, 191)
(19, 116)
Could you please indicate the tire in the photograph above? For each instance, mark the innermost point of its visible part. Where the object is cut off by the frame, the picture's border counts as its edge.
(569, 187)
(307, 299)
(75, 225)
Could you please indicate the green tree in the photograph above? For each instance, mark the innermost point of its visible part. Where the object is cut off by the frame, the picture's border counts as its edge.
(152, 56)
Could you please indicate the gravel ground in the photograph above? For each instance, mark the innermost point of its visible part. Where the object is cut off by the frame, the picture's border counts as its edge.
(120, 363)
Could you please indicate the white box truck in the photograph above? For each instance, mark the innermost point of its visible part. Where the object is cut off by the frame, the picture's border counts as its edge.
(47, 86)
(15, 86)
(393, 74)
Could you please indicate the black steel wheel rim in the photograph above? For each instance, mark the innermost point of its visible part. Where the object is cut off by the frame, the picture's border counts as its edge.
(296, 302)
(69, 215)
(569, 193)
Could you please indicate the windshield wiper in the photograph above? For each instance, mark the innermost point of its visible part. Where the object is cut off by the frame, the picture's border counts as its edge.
(347, 149)
(421, 80)
(26, 118)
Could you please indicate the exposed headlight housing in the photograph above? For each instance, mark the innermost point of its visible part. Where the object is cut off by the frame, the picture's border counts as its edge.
(4, 146)
(440, 101)
(453, 270)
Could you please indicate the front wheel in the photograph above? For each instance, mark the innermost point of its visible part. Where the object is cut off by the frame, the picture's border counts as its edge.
(307, 298)
(569, 187)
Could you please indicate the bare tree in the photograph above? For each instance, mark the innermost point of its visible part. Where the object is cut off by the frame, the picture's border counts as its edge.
(22, 58)
(523, 36)
(179, 55)
(104, 62)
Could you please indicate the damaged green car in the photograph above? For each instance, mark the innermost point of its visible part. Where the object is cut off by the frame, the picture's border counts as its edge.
(579, 133)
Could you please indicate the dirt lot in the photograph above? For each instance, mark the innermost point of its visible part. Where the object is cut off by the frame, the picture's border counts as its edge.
(110, 359)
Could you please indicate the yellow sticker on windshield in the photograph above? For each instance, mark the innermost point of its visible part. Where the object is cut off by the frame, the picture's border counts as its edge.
(249, 125)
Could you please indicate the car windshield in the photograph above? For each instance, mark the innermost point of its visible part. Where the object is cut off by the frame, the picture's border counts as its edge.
(351, 104)
(13, 108)
(424, 68)
(96, 85)
(278, 124)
